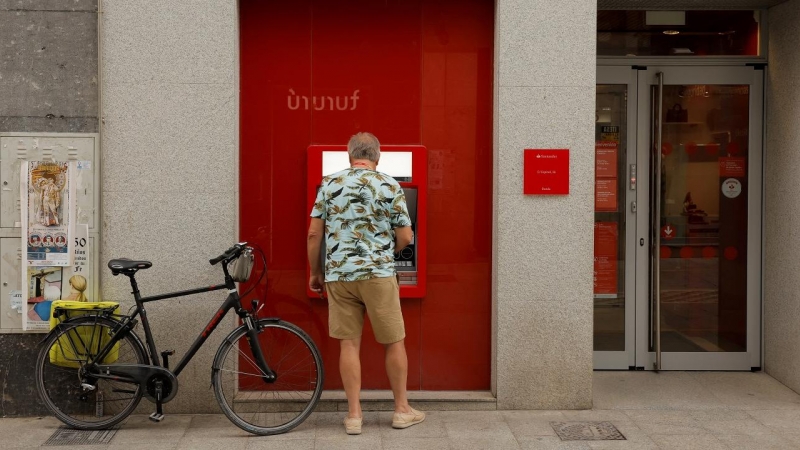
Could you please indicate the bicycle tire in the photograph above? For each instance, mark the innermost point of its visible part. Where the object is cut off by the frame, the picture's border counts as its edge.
(268, 408)
(59, 381)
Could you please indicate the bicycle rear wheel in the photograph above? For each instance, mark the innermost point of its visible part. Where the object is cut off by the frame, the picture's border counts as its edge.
(69, 391)
(268, 408)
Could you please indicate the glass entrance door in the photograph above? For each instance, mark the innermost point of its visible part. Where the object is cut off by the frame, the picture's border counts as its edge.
(689, 272)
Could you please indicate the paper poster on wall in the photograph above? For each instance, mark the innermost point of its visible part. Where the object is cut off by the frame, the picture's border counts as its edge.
(43, 287)
(605, 195)
(606, 245)
(79, 282)
(605, 159)
(48, 207)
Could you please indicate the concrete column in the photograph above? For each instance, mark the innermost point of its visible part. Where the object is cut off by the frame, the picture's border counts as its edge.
(169, 145)
(545, 98)
(782, 251)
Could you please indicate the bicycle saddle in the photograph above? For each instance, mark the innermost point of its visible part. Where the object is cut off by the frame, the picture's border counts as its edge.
(125, 265)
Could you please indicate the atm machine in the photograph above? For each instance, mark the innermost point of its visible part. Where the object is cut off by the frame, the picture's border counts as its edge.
(409, 166)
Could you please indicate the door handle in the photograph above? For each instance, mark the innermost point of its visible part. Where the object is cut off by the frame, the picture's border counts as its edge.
(656, 224)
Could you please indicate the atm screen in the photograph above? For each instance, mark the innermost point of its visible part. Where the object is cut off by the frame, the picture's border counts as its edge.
(411, 202)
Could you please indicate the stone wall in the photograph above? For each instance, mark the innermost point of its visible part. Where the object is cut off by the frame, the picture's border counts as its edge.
(782, 164)
(48, 83)
(544, 98)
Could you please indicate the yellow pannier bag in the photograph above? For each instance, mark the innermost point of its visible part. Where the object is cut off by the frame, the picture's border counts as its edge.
(71, 349)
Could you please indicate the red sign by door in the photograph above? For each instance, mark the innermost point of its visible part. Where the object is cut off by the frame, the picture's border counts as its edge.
(606, 244)
(546, 172)
(667, 232)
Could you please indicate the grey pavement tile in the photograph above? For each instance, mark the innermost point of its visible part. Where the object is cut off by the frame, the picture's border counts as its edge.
(484, 443)
(28, 431)
(527, 426)
(719, 414)
(688, 442)
(345, 442)
(635, 438)
(554, 416)
(760, 442)
(213, 425)
(478, 430)
(306, 430)
(140, 430)
(794, 438)
(665, 422)
(297, 444)
(432, 443)
(748, 391)
(781, 420)
(160, 446)
(649, 390)
(551, 443)
(209, 443)
(74, 447)
(469, 416)
(594, 415)
(746, 426)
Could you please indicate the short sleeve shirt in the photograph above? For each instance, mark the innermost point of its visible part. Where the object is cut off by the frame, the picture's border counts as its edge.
(360, 208)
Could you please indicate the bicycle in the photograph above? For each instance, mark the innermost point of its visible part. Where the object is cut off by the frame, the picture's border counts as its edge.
(92, 369)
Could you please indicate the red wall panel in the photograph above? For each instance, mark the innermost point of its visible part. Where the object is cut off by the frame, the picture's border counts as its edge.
(415, 72)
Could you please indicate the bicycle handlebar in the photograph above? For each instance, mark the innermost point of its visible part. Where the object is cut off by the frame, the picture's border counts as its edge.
(236, 250)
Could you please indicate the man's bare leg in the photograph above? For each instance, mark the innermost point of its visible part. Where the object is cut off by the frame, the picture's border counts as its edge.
(350, 370)
(397, 370)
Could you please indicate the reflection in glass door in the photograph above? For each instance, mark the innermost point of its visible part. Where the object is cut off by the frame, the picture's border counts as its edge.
(678, 218)
(615, 156)
(702, 308)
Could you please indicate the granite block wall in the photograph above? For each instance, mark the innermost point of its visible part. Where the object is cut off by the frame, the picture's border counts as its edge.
(542, 296)
(169, 142)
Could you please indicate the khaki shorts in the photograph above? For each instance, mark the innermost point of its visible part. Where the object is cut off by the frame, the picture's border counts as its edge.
(347, 301)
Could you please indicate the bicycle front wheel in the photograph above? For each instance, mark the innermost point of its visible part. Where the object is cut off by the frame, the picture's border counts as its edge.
(255, 405)
(67, 388)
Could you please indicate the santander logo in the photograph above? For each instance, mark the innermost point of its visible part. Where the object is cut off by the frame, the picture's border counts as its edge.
(330, 103)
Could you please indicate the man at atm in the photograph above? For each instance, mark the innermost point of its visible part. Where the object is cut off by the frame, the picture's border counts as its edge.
(362, 215)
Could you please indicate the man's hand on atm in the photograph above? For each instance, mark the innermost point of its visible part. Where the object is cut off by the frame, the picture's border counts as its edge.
(402, 237)
(317, 284)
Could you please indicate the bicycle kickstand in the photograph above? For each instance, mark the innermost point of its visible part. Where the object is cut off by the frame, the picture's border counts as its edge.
(158, 416)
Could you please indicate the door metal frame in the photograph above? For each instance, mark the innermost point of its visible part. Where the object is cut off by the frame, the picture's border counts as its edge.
(637, 288)
(618, 360)
(740, 74)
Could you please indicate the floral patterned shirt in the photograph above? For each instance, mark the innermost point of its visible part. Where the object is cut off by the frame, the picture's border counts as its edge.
(360, 207)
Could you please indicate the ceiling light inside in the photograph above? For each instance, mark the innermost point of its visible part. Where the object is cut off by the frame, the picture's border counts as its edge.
(671, 32)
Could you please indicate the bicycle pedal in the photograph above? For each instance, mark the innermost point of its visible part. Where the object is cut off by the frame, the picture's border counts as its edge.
(156, 417)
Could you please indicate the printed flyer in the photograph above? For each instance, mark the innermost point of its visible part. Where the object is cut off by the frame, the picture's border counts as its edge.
(48, 208)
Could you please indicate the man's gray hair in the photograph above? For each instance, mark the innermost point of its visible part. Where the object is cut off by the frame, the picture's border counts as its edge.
(364, 146)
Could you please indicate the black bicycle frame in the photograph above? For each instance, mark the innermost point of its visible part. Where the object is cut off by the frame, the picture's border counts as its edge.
(233, 301)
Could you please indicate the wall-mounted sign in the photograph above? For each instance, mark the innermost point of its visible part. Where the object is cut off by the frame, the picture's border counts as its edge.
(731, 188)
(605, 195)
(732, 167)
(546, 172)
(606, 246)
(605, 159)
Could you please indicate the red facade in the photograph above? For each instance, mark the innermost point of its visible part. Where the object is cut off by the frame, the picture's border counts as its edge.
(416, 72)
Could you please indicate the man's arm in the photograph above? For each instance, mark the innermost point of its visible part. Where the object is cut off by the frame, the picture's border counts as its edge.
(402, 237)
(315, 232)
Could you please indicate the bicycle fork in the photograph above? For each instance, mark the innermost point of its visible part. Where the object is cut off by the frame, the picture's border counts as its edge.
(267, 374)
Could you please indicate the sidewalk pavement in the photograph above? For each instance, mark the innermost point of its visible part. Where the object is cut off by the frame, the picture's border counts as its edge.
(678, 410)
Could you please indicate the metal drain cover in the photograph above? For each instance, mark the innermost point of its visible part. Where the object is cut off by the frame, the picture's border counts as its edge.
(67, 436)
(587, 431)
